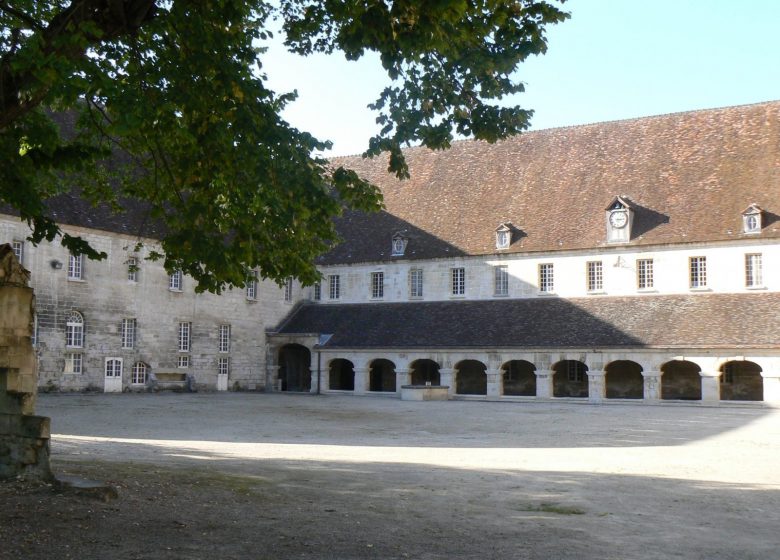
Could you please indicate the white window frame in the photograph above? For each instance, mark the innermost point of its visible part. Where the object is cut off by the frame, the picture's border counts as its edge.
(183, 361)
(644, 274)
(251, 286)
(74, 330)
(546, 278)
(697, 272)
(458, 281)
(223, 366)
(334, 286)
(34, 337)
(377, 285)
(502, 239)
(416, 284)
(18, 248)
(751, 223)
(175, 281)
(132, 269)
(74, 363)
(595, 276)
(75, 267)
(398, 246)
(112, 367)
(128, 333)
(317, 296)
(754, 274)
(224, 338)
(140, 371)
(184, 338)
(501, 280)
(288, 289)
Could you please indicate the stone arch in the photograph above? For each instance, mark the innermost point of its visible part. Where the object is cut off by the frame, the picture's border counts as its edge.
(470, 378)
(519, 378)
(424, 371)
(341, 375)
(623, 380)
(681, 380)
(381, 376)
(741, 380)
(294, 368)
(570, 379)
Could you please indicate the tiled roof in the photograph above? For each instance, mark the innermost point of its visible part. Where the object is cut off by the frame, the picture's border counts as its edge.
(678, 321)
(688, 176)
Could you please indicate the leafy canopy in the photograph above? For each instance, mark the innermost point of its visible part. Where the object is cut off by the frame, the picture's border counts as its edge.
(173, 113)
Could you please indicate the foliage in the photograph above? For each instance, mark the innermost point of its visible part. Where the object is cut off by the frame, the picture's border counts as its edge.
(177, 90)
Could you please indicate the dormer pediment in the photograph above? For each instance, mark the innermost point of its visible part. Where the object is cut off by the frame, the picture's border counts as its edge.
(619, 218)
(504, 235)
(752, 219)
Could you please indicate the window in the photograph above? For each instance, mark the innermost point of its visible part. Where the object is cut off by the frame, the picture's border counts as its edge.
(399, 246)
(223, 366)
(34, 338)
(503, 236)
(753, 274)
(317, 291)
(698, 272)
(251, 285)
(132, 269)
(114, 367)
(74, 330)
(175, 281)
(644, 274)
(75, 268)
(224, 338)
(595, 276)
(458, 277)
(183, 362)
(140, 374)
(501, 281)
(575, 371)
(288, 289)
(334, 286)
(416, 283)
(727, 377)
(184, 336)
(73, 363)
(18, 247)
(546, 283)
(377, 285)
(128, 333)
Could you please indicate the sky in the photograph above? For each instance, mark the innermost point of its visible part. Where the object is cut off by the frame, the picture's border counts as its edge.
(613, 59)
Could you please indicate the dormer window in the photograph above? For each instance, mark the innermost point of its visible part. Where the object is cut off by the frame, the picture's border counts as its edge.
(751, 219)
(503, 236)
(399, 245)
(619, 220)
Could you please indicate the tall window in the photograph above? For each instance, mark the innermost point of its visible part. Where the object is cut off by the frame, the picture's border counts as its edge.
(113, 367)
(251, 285)
(75, 267)
(458, 278)
(753, 274)
(317, 291)
(377, 285)
(140, 373)
(223, 366)
(132, 269)
(546, 281)
(416, 283)
(575, 371)
(74, 363)
(288, 289)
(175, 281)
(128, 333)
(334, 286)
(184, 336)
(74, 330)
(501, 281)
(595, 276)
(698, 272)
(34, 339)
(224, 338)
(18, 247)
(644, 274)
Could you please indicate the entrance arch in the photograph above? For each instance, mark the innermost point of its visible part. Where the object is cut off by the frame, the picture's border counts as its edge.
(424, 371)
(519, 378)
(570, 379)
(471, 378)
(382, 376)
(741, 381)
(623, 380)
(341, 375)
(295, 368)
(680, 380)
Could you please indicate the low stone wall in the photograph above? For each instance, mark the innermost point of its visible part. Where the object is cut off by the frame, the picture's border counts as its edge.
(24, 446)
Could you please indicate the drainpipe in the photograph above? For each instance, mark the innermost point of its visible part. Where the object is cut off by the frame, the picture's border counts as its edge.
(319, 370)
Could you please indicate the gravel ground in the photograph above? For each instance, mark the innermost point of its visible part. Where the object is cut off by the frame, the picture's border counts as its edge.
(241, 475)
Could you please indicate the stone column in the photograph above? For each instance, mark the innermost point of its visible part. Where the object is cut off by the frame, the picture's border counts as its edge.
(544, 383)
(597, 387)
(401, 379)
(313, 377)
(361, 381)
(710, 387)
(493, 383)
(272, 377)
(447, 376)
(772, 387)
(652, 380)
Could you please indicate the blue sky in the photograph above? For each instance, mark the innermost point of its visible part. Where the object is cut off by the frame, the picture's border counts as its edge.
(613, 59)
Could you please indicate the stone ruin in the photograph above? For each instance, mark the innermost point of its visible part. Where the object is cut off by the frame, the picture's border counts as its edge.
(24, 437)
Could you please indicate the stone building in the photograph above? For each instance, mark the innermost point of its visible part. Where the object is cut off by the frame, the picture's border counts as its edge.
(637, 259)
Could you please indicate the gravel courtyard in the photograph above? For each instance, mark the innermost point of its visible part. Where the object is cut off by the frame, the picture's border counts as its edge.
(239, 475)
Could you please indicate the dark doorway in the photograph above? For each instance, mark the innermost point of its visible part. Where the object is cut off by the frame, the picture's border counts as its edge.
(295, 368)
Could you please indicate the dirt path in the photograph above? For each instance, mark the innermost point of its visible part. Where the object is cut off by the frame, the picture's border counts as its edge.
(282, 476)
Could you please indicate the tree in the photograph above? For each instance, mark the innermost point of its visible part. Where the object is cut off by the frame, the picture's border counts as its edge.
(177, 88)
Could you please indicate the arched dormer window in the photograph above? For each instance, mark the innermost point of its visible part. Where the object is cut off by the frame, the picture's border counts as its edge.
(399, 243)
(503, 236)
(74, 330)
(751, 219)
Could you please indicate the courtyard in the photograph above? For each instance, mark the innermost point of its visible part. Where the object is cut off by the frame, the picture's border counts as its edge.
(242, 475)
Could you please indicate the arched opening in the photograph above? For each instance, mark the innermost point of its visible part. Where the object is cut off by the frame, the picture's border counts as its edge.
(470, 378)
(342, 375)
(570, 379)
(741, 381)
(382, 376)
(623, 380)
(295, 368)
(681, 380)
(424, 371)
(519, 378)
